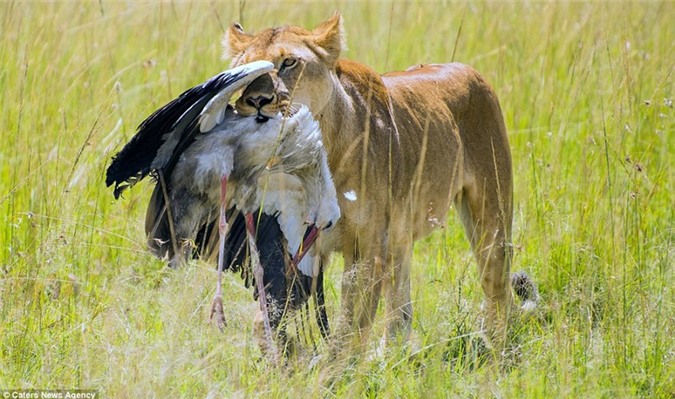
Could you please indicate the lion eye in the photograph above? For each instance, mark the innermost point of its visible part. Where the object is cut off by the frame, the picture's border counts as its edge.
(289, 62)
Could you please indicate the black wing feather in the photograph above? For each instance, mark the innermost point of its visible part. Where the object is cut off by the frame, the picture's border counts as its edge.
(283, 287)
(134, 162)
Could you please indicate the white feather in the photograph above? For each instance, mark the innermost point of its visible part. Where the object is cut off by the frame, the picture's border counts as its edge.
(220, 116)
(350, 195)
(284, 194)
(296, 188)
(207, 122)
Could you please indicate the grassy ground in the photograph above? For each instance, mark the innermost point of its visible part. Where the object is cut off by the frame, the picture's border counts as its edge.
(586, 91)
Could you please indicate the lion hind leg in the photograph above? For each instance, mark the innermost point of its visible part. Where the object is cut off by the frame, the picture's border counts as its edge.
(488, 227)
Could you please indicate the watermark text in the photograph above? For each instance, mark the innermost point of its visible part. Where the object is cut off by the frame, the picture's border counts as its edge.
(49, 394)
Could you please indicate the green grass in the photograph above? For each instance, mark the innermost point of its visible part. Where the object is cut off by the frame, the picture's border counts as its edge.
(586, 90)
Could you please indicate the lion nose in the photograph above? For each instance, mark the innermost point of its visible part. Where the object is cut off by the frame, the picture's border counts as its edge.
(259, 101)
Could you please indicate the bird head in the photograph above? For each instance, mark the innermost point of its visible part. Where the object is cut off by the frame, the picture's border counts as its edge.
(323, 219)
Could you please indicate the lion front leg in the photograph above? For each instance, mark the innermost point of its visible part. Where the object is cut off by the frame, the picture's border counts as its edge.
(399, 311)
(361, 290)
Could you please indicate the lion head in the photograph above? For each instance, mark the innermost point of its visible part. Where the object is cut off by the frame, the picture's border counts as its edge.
(303, 59)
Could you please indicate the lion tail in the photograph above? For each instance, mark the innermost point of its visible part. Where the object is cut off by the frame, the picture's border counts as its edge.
(525, 288)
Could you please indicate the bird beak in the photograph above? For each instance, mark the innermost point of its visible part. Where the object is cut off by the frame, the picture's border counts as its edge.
(308, 240)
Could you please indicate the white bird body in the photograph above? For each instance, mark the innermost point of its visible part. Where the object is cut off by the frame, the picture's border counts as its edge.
(279, 166)
(209, 159)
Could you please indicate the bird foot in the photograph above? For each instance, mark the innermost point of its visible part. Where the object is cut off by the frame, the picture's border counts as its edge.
(217, 312)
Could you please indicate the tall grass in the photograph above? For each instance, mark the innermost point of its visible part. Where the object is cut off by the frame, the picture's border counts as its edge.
(586, 90)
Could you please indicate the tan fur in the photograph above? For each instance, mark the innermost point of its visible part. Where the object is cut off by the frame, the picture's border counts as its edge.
(409, 145)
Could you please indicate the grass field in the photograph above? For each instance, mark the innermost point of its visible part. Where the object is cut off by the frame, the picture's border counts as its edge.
(587, 93)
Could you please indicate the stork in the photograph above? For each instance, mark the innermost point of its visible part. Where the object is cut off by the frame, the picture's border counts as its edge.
(209, 160)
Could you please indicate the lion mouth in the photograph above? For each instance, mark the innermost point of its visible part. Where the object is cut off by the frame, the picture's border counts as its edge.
(260, 118)
(287, 111)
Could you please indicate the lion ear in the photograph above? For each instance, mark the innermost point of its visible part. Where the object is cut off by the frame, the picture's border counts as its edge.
(235, 41)
(330, 36)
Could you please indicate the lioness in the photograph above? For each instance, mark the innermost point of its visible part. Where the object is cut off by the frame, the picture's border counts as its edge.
(402, 147)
